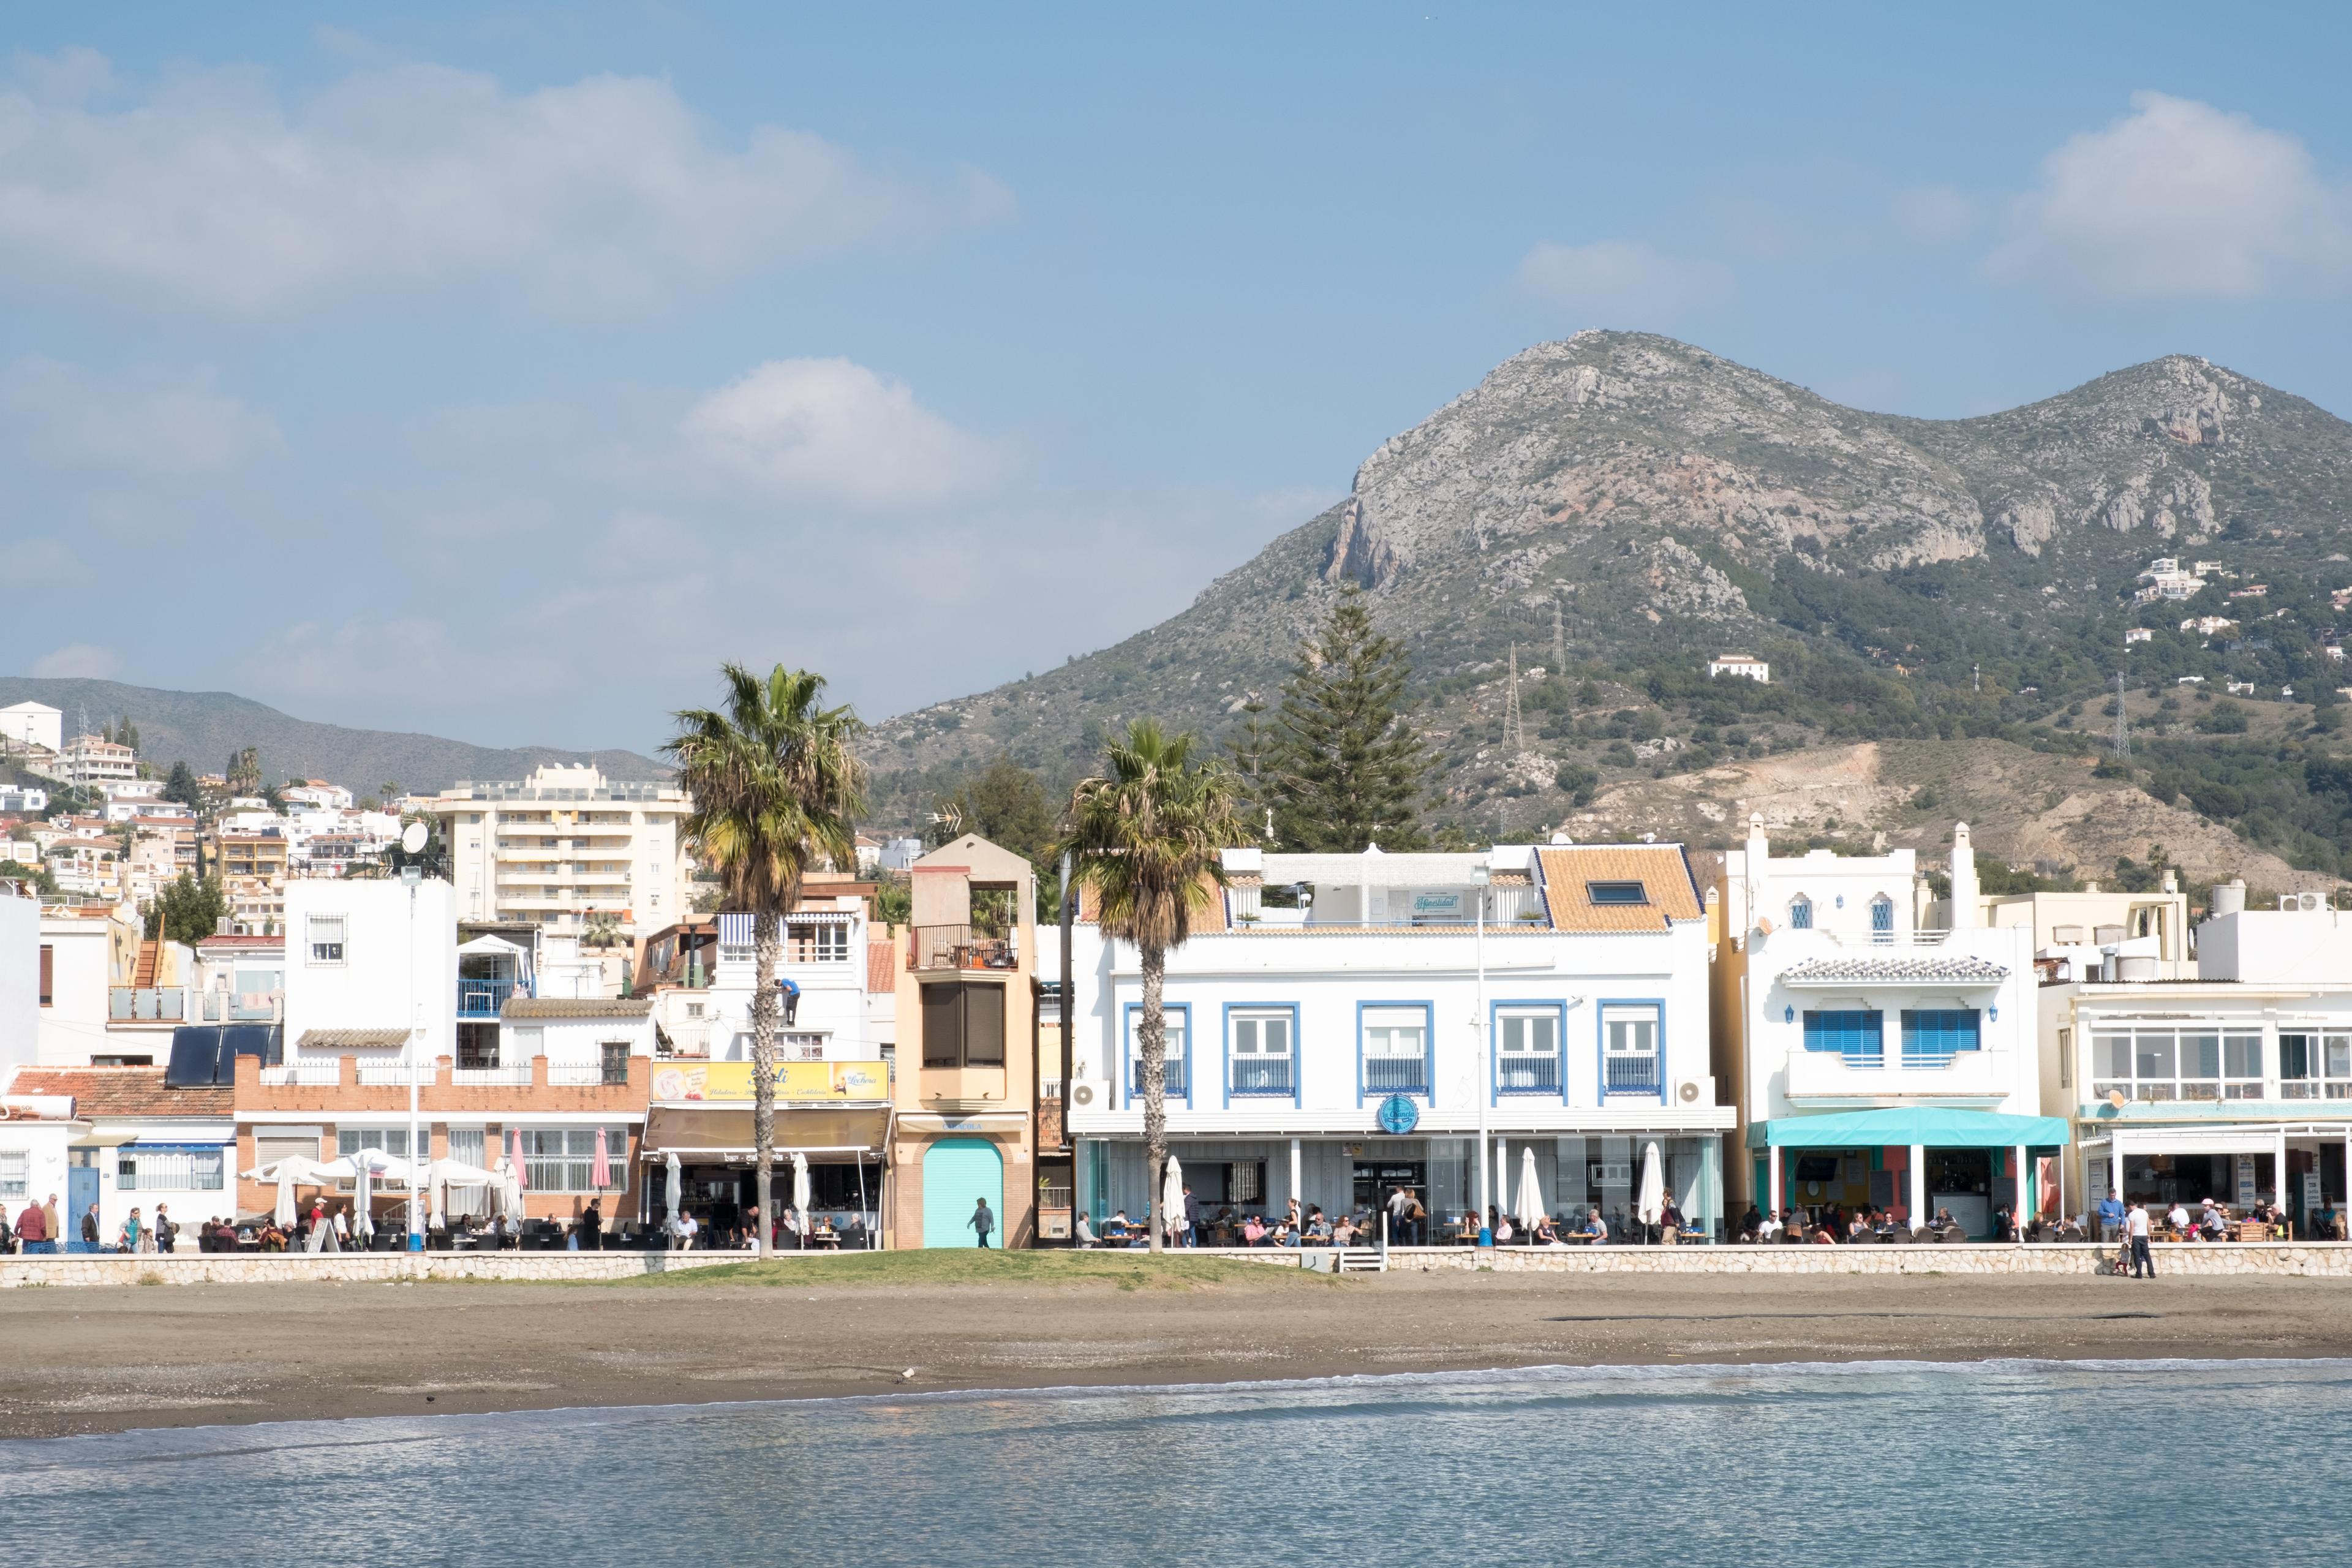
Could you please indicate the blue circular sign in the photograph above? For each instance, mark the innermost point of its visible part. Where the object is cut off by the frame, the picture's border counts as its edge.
(1399, 1115)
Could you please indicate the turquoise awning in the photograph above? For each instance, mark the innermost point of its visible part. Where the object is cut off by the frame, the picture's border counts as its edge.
(1934, 1127)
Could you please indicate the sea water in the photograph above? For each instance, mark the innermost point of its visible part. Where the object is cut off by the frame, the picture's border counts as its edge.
(2085, 1463)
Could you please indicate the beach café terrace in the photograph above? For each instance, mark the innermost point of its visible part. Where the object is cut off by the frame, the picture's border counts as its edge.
(1921, 1160)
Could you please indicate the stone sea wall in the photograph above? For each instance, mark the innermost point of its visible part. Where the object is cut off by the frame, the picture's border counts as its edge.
(2326, 1258)
(19, 1269)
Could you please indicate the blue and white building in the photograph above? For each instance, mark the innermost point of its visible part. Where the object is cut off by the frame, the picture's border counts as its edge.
(1342, 1025)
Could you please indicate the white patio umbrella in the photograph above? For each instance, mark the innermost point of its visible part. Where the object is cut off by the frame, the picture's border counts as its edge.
(800, 1191)
(443, 1174)
(1531, 1203)
(1171, 1198)
(673, 1189)
(510, 1191)
(363, 1171)
(288, 1173)
(1654, 1186)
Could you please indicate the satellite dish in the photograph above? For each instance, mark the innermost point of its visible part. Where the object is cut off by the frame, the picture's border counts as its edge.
(2115, 1097)
(412, 838)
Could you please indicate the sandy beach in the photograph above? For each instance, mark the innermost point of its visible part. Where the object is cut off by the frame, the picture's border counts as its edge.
(106, 1359)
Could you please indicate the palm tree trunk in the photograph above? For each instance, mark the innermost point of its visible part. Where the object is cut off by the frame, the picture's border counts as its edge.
(766, 948)
(1151, 1035)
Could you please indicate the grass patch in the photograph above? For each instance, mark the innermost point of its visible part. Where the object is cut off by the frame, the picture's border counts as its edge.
(150, 1278)
(970, 1266)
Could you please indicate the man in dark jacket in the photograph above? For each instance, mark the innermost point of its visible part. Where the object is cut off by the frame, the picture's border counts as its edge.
(1192, 1217)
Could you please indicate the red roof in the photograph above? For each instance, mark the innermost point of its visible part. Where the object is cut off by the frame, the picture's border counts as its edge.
(231, 940)
(881, 961)
(124, 1091)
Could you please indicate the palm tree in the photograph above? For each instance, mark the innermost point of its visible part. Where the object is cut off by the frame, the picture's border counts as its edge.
(775, 788)
(1148, 836)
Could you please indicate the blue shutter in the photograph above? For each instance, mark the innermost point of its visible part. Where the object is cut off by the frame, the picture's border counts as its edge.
(1936, 1035)
(1850, 1034)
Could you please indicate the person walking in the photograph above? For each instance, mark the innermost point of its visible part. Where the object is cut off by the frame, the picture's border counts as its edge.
(166, 1232)
(132, 1238)
(33, 1233)
(90, 1227)
(1192, 1217)
(320, 1229)
(2111, 1217)
(2143, 1267)
(983, 1222)
(49, 1222)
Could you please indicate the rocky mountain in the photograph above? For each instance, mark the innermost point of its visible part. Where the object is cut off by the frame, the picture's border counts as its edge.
(1610, 510)
(203, 727)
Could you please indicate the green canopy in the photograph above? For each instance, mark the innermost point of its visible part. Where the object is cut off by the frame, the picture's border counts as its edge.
(1933, 1127)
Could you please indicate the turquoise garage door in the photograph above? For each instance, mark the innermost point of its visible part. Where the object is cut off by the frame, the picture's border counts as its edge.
(957, 1173)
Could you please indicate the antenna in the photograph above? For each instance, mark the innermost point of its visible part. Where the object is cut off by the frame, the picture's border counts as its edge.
(1976, 677)
(1514, 729)
(2123, 719)
(1559, 639)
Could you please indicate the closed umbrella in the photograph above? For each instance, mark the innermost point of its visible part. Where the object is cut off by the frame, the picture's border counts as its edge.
(284, 1212)
(801, 1190)
(519, 1177)
(1171, 1199)
(673, 1189)
(1654, 1186)
(510, 1191)
(600, 1167)
(1531, 1203)
(364, 1173)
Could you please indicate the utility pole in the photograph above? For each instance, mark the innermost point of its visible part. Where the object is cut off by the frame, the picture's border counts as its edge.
(1559, 639)
(2123, 719)
(1975, 678)
(1514, 729)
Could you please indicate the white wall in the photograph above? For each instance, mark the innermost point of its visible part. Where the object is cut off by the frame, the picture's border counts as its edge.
(73, 1026)
(400, 960)
(2260, 947)
(833, 1001)
(20, 982)
(33, 723)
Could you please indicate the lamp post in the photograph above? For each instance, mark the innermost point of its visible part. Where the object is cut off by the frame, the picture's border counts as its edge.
(1481, 875)
(411, 839)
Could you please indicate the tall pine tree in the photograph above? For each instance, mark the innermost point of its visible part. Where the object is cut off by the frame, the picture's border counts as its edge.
(1349, 771)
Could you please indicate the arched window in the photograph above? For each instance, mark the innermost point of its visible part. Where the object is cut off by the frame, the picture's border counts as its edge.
(1801, 913)
(1882, 918)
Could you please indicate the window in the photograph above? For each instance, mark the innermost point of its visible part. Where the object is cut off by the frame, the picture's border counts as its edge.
(2065, 1059)
(615, 1053)
(49, 975)
(819, 941)
(1801, 913)
(153, 1169)
(799, 1047)
(1396, 1051)
(326, 940)
(963, 1024)
(1932, 1037)
(1174, 1077)
(1527, 1052)
(1617, 892)
(1859, 1037)
(1629, 1056)
(15, 1172)
(564, 1159)
(2177, 1064)
(1262, 1062)
(1882, 918)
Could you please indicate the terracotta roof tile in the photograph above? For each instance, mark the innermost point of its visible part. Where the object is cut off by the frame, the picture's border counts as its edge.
(1665, 875)
(576, 1008)
(122, 1091)
(351, 1039)
(881, 963)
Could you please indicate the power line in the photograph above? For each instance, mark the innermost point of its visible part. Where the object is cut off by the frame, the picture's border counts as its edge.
(2123, 719)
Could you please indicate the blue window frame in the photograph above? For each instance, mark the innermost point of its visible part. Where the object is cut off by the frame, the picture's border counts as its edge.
(1801, 913)
(1853, 1035)
(1882, 918)
(1392, 1049)
(1932, 1037)
(1177, 1071)
(1262, 1051)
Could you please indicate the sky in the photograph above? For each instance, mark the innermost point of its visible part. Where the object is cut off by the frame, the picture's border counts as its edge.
(497, 370)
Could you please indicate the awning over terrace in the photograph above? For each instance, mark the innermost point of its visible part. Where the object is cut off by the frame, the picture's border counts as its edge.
(717, 1133)
(1933, 1127)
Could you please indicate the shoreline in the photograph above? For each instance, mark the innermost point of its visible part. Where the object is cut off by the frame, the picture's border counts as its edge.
(108, 1359)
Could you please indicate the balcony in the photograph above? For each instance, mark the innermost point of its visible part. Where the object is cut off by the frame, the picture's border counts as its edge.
(483, 999)
(241, 1008)
(1263, 1075)
(1983, 1076)
(1632, 1075)
(146, 1004)
(1529, 1075)
(959, 947)
(1396, 1075)
(1172, 1075)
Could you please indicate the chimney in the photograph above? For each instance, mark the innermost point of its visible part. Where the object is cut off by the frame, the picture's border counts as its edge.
(1964, 880)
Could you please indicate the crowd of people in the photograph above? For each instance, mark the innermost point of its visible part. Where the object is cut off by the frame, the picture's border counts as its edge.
(1408, 1225)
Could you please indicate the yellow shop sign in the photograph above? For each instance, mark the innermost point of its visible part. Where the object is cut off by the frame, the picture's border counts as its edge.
(833, 1081)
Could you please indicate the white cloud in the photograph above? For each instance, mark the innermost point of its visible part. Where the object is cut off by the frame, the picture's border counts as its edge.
(605, 197)
(143, 425)
(1935, 215)
(1622, 283)
(835, 429)
(2179, 199)
(81, 660)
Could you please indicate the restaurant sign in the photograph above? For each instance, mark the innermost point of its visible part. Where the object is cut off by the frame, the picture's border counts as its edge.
(1426, 905)
(794, 1081)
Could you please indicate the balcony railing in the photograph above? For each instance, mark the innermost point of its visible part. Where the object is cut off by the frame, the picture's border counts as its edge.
(579, 1075)
(1172, 1074)
(1396, 1075)
(1527, 1075)
(392, 1075)
(1263, 1075)
(492, 1077)
(483, 998)
(240, 1007)
(146, 1004)
(1833, 1074)
(305, 1075)
(959, 947)
(1631, 1074)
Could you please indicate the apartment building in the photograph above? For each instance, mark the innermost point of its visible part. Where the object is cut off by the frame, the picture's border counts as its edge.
(1341, 1026)
(1876, 1060)
(91, 763)
(32, 725)
(564, 846)
(108, 997)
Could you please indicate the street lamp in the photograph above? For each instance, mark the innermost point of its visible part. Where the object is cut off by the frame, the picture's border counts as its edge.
(411, 841)
(1481, 875)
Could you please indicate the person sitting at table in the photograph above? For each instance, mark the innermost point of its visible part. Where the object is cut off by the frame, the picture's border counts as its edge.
(1545, 1234)
(1253, 1232)
(1344, 1233)
(1318, 1227)
(1084, 1233)
(1595, 1227)
(1502, 1231)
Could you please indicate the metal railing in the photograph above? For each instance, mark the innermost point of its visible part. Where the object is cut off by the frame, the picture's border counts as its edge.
(579, 1075)
(959, 947)
(1527, 1074)
(306, 1075)
(1172, 1075)
(232, 1007)
(1263, 1075)
(1396, 1075)
(483, 998)
(146, 1004)
(1631, 1074)
(492, 1077)
(392, 1075)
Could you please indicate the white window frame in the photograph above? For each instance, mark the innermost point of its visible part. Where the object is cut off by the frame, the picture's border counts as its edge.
(15, 1172)
(327, 931)
(1634, 1016)
(1250, 1026)
(1175, 1024)
(1526, 1023)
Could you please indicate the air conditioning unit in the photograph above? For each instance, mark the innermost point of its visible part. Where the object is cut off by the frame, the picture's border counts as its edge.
(1082, 1094)
(1695, 1091)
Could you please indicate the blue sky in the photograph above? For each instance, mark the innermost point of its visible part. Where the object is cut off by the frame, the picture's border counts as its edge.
(496, 371)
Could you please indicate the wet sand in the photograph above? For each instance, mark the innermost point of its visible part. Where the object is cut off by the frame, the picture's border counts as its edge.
(103, 1359)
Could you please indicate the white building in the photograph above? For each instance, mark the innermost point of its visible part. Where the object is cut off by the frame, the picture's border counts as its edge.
(1740, 664)
(316, 795)
(139, 1142)
(2235, 1085)
(91, 762)
(23, 798)
(374, 958)
(1331, 1038)
(33, 724)
(21, 976)
(1877, 1063)
(564, 845)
